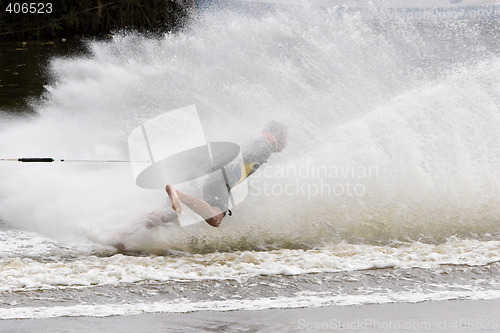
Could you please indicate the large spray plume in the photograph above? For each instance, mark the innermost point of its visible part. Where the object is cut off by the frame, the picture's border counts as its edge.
(408, 113)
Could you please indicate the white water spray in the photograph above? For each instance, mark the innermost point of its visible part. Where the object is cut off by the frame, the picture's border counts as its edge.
(410, 101)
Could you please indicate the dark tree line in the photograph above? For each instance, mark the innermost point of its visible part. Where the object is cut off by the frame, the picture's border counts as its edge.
(69, 18)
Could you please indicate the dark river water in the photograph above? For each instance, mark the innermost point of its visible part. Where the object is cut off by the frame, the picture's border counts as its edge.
(23, 71)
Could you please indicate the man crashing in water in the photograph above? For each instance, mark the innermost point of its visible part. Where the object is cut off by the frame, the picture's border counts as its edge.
(215, 193)
(214, 207)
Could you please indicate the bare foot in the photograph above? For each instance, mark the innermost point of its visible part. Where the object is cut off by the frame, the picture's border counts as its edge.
(172, 194)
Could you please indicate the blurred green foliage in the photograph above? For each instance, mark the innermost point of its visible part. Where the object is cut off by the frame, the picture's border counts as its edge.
(69, 18)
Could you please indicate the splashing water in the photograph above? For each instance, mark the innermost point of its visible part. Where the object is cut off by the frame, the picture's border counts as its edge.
(405, 116)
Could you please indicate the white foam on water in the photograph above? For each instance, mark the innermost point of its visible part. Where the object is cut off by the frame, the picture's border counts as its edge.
(15, 244)
(182, 305)
(18, 274)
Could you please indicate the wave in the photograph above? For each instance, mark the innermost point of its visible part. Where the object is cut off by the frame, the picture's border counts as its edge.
(87, 270)
(185, 306)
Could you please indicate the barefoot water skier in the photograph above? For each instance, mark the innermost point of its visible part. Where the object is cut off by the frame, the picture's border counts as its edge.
(214, 205)
(214, 201)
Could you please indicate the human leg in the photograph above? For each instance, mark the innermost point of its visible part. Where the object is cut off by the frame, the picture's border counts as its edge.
(211, 214)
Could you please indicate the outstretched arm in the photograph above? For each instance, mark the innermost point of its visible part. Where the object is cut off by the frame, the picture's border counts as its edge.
(212, 215)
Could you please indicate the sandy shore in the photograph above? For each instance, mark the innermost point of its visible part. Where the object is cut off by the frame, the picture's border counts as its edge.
(441, 316)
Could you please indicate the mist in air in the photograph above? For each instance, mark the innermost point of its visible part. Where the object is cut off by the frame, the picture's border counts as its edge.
(409, 103)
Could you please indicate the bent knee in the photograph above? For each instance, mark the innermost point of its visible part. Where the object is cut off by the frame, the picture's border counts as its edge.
(215, 221)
